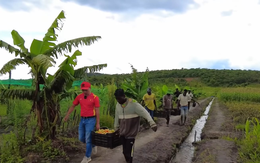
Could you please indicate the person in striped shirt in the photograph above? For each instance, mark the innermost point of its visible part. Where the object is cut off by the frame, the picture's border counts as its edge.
(127, 122)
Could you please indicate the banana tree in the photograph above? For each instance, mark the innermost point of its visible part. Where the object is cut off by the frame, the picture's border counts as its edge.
(160, 92)
(37, 63)
(137, 86)
(177, 87)
(56, 88)
(40, 57)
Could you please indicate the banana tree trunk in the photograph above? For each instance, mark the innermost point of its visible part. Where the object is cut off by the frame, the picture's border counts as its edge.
(51, 113)
(8, 102)
(47, 110)
(10, 77)
(38, 105)
(54, 117)
(48, 116)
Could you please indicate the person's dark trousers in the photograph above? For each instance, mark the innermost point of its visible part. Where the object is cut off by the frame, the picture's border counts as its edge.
(128, 148)
(178, 107)
(168, 113)
(147, 125)
(150, 112)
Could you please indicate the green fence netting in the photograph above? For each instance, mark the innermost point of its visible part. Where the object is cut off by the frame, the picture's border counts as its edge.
(29, 82)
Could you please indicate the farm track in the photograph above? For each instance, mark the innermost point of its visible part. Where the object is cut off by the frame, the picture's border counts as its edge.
(214, 148)
(151, 147)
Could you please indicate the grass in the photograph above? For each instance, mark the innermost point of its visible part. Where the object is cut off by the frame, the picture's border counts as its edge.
(206, 157)
(3, 110)
(244, 104)
(244, 94)
(250, 145)
(241, 111)
(17, 111)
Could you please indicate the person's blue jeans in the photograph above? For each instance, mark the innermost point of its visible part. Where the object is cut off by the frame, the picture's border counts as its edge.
(184, 113)
(86, 126)
(150, 112)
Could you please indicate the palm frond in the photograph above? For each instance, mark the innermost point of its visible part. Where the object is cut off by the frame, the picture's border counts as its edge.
(69, 95)
(40, 46)
(43, 61)
(11, 49)
(57, 24)
(11, 65)
(19, 41)
(129, 88)
(67, 45)
(61, 80)
(82, 72)
(21, 94)
(70, 61)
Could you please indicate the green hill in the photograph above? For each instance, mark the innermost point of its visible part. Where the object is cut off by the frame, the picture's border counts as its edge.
(193, 77)
(198, 76)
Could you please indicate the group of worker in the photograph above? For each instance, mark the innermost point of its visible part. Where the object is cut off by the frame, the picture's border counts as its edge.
(182, 100)
(127, 116)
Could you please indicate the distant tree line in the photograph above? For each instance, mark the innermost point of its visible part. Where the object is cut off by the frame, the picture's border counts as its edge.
(209, 77)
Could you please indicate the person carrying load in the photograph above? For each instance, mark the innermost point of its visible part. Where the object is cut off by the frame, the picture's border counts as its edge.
(89, 112)
(127, 122)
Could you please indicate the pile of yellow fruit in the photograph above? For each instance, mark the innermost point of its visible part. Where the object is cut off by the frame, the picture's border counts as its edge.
(105, 131)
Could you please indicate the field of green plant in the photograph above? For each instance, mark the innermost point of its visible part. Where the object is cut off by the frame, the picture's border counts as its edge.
(31, 117)
(15, 112)
(20, 128)
(244, 103)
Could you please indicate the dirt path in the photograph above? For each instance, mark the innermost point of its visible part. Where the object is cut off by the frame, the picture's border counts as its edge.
(214, 148)
(151, 147)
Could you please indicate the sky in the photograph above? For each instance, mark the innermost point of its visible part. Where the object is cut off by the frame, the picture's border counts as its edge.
(158, 34)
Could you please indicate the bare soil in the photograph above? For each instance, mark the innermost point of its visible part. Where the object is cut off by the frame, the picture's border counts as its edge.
(151, 147)
(215, 147)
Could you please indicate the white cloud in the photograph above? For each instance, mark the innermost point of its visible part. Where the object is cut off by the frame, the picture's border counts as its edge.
(153, 41)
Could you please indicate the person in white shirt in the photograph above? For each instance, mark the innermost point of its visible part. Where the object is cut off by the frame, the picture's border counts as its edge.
(183, 100)
(191, 96)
